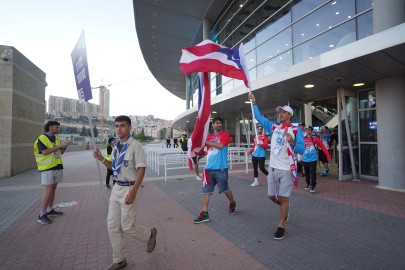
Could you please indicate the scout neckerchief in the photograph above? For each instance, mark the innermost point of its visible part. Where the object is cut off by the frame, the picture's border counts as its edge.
(116, 166)
(293, 161)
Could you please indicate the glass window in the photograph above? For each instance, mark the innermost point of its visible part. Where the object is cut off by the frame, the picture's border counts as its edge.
(369, 159)
(251, 59)
(226, 88)
(368, 125)
(302, 7)
(362, 5)
(330, 40)
(273, 27)
(282, 61)
(323, 19)
(274, 46)
(249, 45)
(365, 25)
(367, 99)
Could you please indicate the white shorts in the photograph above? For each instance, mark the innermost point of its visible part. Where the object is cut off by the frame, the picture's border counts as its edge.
(280, 182)
(51, 177)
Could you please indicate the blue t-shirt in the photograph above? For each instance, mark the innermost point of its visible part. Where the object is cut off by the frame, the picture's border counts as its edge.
(217, 159)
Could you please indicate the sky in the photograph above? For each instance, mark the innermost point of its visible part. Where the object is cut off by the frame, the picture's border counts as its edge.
(46, 31)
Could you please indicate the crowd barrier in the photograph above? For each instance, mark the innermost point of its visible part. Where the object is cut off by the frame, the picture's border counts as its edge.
(175, 158)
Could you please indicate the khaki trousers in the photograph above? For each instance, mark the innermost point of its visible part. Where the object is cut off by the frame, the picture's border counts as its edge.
(121, 219)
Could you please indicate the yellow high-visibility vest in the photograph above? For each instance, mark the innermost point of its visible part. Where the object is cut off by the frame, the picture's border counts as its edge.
(108, 156)
(46, 162)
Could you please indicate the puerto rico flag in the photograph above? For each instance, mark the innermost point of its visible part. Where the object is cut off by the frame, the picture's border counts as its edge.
(201, 128)
(208, 56)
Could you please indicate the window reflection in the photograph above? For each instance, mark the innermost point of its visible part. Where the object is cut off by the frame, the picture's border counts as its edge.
(369, 159)
(275, 46)
(302, 7)
(368, 126)
(367, 99)
(282, 61)
(335, 38)
(365, 25)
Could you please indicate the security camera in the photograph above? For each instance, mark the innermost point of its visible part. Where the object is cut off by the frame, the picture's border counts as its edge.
(7, 55)
(338, 79)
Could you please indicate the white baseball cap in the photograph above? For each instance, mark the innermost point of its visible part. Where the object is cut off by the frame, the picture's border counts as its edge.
(285, 108)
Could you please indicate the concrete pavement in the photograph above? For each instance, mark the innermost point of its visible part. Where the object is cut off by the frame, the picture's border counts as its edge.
(345, 225)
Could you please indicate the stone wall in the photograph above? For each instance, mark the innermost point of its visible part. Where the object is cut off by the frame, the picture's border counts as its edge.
(22, 112)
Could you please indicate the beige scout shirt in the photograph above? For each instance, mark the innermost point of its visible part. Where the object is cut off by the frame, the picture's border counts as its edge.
(134, 158)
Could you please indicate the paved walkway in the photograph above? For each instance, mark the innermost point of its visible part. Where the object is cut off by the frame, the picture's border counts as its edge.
(345, 225)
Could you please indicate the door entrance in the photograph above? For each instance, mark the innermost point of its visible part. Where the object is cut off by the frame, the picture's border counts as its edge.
(348, 135)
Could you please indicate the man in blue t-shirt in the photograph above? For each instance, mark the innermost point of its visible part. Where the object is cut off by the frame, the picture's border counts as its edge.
(216, 169)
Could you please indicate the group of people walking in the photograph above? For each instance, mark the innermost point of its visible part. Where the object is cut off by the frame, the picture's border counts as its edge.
(124, 159)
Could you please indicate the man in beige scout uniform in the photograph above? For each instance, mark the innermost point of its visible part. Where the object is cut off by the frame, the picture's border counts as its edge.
(128, 165)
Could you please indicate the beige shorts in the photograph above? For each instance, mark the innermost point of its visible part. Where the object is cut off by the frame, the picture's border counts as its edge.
(51, 177)
(280, 182)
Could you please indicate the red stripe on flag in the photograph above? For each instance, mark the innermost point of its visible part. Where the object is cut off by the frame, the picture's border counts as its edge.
(213, 65)
(203, 49)
(201, 127)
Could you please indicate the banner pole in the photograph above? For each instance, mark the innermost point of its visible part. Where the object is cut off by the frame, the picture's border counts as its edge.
(93, 142)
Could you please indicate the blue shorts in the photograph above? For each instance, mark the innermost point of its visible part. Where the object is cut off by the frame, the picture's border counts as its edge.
(219, 177)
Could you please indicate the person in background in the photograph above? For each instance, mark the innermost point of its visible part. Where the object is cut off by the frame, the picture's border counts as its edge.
(300, 167)
(325, 138)
(258, 153)
(175, 142)
(334, 140)
(108, 151)
(183, 142)
(168, 144)
(286, 140)
(48, 151)
(309, 158)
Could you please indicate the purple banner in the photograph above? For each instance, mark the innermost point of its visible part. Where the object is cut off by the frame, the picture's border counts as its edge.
(81, 70)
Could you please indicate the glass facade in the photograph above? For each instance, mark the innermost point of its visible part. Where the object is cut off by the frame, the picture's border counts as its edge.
(277, 34)
(368, 133)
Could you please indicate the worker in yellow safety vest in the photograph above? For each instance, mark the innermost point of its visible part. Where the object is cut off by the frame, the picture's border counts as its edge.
(48, 150)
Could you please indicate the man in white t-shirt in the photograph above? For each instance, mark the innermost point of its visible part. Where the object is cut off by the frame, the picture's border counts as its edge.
(286, 140)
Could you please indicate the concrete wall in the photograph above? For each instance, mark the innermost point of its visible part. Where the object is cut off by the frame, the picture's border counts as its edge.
(22, 112)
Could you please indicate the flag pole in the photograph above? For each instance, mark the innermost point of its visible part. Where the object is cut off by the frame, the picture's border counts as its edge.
(253, 117)
(242, 57)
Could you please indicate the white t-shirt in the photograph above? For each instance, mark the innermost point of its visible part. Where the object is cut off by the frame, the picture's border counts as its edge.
(279, 157)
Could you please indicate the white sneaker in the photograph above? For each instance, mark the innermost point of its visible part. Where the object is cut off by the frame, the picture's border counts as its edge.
(198, 178)
(255, 183)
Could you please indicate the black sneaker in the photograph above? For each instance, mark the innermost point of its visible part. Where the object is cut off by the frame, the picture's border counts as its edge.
(232, 208)
(279, 235)
(44, 220)
(108, 187)
(203, 217)
(54, 213)
(312, 190)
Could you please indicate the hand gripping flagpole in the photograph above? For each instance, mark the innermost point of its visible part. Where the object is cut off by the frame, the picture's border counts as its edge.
(244, 66)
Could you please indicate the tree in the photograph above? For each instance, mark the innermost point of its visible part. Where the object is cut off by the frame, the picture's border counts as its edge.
(83, 132)
(162, 133)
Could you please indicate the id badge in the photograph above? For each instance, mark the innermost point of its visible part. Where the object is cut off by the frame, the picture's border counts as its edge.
(57, 154)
